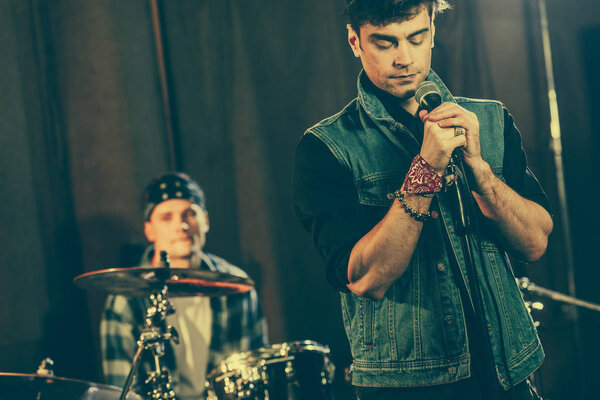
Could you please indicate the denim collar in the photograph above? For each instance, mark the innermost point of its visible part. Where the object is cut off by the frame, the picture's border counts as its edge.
(369, 101)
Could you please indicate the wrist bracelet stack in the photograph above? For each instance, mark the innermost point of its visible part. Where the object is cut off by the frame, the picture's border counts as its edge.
(422, 217)
(423, 180)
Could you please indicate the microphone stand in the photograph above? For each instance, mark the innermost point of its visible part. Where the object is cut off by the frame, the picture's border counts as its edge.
(428, 97)
(462, 213)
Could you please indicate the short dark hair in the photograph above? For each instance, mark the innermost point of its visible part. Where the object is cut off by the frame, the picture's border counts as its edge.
(382, 12)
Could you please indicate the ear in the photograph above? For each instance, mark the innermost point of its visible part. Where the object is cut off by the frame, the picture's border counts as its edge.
(353, 40)
(149, 231)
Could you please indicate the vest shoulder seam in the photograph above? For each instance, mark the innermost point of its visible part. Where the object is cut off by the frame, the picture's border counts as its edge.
(335, 117)
(462, 100)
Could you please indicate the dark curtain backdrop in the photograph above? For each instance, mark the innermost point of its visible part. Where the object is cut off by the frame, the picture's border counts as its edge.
(83, 128)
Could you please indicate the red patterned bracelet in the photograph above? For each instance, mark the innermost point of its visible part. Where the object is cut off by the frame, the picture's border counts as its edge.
(422, 178)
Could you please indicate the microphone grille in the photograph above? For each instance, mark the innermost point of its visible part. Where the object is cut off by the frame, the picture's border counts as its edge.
(425, 88)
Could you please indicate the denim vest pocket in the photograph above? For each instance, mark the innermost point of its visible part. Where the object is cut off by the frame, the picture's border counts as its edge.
(347, 311)
(368, 309)
(374, 188)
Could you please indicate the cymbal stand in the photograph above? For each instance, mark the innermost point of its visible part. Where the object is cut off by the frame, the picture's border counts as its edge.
(535, 378)
(528, 287)
(153, 338)
(46, 367)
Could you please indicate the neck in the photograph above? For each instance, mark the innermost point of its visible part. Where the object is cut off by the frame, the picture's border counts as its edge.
(411, 106)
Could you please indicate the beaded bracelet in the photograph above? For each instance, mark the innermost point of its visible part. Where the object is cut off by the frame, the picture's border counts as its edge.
(422, 217)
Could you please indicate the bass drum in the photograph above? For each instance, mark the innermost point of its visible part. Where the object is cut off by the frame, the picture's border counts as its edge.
(286, 371)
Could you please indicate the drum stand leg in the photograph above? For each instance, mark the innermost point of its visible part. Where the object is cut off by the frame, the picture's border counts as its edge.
(153, 338)
(535, 380)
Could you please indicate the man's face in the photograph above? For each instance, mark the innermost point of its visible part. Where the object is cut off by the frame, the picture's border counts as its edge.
(178, 227)
(396, 57)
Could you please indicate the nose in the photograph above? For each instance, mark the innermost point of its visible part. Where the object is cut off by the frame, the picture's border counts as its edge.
(179, 224)
(403, 56)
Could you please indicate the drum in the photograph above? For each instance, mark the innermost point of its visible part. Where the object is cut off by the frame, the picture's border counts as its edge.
(286, 371)
(45, 387)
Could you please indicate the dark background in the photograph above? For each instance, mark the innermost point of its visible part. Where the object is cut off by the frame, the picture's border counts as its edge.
(83, 128)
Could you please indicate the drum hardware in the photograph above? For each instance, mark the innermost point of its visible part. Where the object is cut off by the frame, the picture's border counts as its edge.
(348, 374)
(45, 367)
(44, 385)
(527, 287)
(160, 283)
(153, 339)
(286, 371)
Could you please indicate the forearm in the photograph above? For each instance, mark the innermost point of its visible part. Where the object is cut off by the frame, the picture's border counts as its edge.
(525, 224)
(383, 254)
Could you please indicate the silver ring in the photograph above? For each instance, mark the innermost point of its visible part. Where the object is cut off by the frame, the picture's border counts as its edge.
(459, 130)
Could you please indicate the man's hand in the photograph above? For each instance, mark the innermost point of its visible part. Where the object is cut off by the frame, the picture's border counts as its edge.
(525, 224)
(448, 116)
(439, 138)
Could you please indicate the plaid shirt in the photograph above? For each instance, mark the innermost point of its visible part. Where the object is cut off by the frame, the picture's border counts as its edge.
(237, 325)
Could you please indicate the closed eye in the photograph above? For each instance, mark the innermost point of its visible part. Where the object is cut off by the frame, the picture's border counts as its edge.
(418, 37)
(166, 217)
(384, 44)
(417, 40)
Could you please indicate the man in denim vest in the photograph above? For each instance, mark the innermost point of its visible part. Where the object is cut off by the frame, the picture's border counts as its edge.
(372, 184)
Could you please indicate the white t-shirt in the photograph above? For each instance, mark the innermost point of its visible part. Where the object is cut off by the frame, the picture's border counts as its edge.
(193, 321)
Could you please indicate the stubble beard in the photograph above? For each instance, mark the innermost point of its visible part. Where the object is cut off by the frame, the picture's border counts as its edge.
(403, 96)
(408, 95)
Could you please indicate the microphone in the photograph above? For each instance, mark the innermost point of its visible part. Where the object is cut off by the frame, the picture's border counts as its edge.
(428, 95)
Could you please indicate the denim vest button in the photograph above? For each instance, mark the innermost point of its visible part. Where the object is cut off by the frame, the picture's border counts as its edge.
(448, 319)
(451, 229)
(452, 370)
(441, 267)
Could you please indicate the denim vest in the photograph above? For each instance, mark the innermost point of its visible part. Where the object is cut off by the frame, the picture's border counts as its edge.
(416, 335)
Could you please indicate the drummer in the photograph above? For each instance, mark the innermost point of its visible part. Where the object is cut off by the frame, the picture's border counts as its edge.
(210, 328)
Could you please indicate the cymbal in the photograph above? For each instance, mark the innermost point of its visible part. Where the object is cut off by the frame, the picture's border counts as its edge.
(48, 387)
(181, 282)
